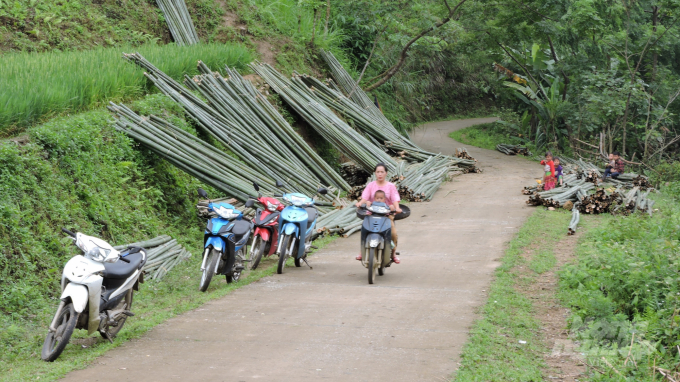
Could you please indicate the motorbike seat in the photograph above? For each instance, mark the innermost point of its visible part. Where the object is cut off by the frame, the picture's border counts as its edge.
(311, 215)
(240, 229)
(122, 270)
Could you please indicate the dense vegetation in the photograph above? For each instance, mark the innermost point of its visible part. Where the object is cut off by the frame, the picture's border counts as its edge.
(625, 295)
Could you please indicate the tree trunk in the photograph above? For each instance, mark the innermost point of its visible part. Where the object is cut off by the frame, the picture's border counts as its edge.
(328, 16)
(316, 14)
(404, 52)
(655, 55)
(375, 43)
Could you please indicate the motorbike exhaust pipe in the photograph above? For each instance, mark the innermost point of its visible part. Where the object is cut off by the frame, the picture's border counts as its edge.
(54, 320)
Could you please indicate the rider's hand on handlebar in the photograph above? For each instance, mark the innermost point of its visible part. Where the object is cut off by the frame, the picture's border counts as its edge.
(398, 210)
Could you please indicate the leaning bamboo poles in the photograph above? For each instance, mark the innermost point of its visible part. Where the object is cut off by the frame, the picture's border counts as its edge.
(162, 254)
(298, 96)
(179, 21)
(233, 117)
(508, 149)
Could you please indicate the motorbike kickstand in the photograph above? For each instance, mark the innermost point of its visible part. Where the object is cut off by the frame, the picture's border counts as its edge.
(305, 260)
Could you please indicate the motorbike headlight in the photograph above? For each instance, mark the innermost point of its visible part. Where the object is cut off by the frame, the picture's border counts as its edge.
(226, 213)
(271, 207)
(95, 254)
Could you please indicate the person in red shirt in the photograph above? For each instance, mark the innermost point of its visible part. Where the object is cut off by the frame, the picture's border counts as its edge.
(549, 172)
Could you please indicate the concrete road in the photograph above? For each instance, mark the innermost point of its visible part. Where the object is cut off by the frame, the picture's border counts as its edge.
(328, 323)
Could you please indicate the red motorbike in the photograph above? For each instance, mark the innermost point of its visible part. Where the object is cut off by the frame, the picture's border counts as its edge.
(266, 235)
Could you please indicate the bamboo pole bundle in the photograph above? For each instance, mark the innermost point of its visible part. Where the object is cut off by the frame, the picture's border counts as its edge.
(575, 218)
(298, 96)
(508, 149)
(162, 254)
(242, 125)
(179, 21)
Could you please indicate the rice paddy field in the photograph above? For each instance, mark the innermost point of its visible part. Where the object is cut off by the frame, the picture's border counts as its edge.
(36, 86)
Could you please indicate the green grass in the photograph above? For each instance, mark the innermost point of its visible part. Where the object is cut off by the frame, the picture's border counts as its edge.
(482, 135)
(37, 86)
(153, 304)
(493, 352)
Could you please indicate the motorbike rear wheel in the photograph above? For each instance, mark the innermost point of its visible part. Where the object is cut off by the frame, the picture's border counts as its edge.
(236, 275)
(124, 303)
(285, 252)
(256, 252)
(210, 268)
(55, 342)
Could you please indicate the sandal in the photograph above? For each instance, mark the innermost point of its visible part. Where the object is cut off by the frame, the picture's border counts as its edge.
(358, 257)
(395, 257)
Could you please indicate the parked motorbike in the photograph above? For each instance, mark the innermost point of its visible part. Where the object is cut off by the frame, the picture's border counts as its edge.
(296, 225)
(224, 242)
(266, 221)
(376, 238)
(96, 292)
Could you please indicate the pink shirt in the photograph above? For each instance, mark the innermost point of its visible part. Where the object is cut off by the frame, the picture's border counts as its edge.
(391, 193)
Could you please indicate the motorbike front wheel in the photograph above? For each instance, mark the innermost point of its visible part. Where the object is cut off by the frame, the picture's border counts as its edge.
(210, 268)
(55, 342)
(257, 251)
(373, 261)
(285, 252)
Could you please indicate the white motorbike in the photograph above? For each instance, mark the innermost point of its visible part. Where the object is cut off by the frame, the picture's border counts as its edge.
(96, 292)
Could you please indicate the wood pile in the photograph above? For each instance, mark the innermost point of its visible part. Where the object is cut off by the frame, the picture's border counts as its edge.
(179, 21)
(508, 149)
(583, 186)
(462, 153)
(600, 202)
(353, 174)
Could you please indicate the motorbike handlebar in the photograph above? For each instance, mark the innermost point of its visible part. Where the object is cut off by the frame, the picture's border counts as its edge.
(68, 232)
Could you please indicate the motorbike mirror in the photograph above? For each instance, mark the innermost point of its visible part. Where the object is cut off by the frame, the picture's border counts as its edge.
(279, 184)
(250, 203)
(322, 191)
(256, 186)
(202, 193)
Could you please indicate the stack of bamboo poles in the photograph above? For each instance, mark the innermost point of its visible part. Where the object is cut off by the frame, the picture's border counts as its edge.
(162, 254)
(179, 21)
(191, 154)
(304, 101)
(575, 219)
(580, 190)
(340, 221)
(508, 149)
(239, 118)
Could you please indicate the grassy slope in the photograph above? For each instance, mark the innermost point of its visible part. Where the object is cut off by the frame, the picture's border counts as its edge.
(493, 352)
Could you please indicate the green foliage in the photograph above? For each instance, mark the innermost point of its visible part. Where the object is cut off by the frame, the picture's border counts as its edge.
(665, 172)
(36, 26)
(493, 352)
(626, 284)
(39, 85)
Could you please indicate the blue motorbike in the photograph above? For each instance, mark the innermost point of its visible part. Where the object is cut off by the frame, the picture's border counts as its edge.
(296, 224)
(224, 241)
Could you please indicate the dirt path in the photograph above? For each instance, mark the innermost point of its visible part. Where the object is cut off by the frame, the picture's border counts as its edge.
(328, 323)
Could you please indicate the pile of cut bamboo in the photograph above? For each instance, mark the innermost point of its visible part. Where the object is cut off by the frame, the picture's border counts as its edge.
(584, 188)
(162, 254)
(179, 21)
(508, 149)
(462, 152)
